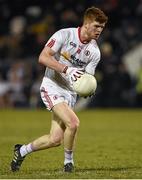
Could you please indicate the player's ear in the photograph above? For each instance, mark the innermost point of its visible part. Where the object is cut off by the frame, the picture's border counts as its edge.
(86, 25)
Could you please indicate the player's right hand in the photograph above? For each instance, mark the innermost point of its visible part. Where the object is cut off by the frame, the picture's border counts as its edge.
(74, 73)
(90, 96)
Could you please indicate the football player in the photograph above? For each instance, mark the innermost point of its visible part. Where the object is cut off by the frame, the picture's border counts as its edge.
(67, 55)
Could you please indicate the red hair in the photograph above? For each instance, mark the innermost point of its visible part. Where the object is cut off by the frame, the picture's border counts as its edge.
(95, 14)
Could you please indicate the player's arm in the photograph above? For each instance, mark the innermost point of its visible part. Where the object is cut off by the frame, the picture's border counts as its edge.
(47, 58)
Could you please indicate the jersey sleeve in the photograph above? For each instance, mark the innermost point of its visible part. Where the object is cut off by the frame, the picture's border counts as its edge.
(91, 67)
(57, 40)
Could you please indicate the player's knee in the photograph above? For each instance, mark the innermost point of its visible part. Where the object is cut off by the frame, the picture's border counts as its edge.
(74, 124)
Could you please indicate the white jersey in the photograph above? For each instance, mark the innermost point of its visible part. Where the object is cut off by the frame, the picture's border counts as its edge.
(73, 53)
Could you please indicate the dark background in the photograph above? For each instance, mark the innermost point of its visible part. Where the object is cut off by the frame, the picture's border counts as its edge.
(25, 27)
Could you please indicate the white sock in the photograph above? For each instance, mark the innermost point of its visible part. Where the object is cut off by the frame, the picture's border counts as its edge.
(26, 149)
(68, 156)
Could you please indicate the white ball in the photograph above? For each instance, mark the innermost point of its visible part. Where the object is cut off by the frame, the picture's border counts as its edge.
(85, 85)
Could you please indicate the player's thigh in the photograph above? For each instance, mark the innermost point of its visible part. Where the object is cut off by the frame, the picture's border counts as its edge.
(66, 114)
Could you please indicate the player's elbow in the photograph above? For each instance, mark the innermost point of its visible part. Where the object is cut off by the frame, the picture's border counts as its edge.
(41, 59)
(45, 56)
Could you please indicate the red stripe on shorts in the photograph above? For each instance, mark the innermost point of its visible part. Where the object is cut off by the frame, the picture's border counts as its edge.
(46, 96)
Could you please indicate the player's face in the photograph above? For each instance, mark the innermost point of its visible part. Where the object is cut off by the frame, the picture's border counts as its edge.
(94, 29)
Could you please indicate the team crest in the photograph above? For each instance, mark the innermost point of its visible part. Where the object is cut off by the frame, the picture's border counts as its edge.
(87, 53)
(55, 97)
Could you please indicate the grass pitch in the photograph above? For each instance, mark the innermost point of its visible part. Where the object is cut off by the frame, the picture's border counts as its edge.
(109, 145)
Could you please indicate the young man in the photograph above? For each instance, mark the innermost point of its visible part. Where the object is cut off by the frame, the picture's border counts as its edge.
(67, 55)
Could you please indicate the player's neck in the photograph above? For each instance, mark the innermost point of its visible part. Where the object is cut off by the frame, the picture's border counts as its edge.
(84, 36)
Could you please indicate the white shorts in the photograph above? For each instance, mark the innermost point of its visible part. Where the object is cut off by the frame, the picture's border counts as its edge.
(52, 94)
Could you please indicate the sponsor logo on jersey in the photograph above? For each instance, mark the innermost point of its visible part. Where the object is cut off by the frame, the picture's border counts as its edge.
(73, 59)
(73, 44)
(77, 61)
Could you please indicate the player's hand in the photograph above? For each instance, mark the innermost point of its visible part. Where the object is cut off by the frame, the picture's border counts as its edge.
(74, 73)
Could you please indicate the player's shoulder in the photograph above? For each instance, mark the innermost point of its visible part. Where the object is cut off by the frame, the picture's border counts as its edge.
(94, 44)
(67, 31)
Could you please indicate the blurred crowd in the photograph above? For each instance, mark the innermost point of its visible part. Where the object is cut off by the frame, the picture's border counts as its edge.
(27, 25)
